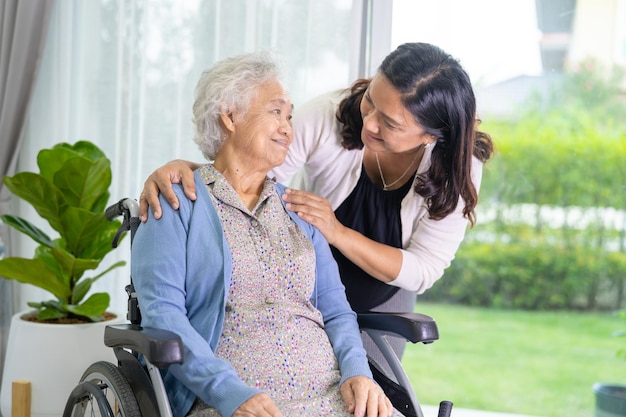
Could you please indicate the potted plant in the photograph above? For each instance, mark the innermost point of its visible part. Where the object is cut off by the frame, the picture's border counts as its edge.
(70, 193)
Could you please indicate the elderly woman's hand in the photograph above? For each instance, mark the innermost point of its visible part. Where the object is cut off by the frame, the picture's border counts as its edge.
(365, 398)
(259, 405)
(160, 181)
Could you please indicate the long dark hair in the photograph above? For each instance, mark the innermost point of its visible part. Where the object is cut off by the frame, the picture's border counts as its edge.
(438, 92)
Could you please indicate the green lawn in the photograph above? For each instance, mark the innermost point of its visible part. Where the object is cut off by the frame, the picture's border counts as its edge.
(535, 363)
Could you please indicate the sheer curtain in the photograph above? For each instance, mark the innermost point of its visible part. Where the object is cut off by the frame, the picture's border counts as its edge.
(121, 74)
(22, 30)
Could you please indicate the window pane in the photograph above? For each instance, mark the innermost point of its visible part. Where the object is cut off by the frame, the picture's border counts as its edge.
(549, 77)
(121, 74)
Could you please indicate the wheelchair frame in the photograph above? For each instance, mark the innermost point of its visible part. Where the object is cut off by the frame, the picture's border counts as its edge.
(134, 387)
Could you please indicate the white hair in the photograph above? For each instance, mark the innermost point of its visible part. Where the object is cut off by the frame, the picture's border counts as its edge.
(229, 86)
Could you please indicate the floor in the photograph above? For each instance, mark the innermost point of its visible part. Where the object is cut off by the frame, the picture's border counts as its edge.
(431, 411)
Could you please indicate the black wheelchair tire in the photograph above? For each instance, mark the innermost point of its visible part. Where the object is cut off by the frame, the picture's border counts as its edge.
(116, 388)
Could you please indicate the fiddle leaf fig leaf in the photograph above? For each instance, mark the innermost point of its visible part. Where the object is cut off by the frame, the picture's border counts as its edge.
(95, 305)
(84, 182)
(41, 194)
(28, 229)
(81, 289)
(47, 312)
(34, 272)
(75, 266)
(44, 254)
(85, 232)
(50, 161)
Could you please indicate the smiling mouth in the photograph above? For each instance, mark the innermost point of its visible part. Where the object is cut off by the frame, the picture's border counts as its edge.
(281, 142)
(372, 138)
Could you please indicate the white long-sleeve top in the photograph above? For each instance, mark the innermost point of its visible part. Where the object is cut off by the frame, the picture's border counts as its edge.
(317, 162)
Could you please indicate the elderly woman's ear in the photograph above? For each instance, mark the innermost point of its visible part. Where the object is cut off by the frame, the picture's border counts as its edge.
(227, 122)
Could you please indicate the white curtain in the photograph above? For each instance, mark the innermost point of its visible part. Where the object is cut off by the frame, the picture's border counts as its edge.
(22, 31)
(121, 74)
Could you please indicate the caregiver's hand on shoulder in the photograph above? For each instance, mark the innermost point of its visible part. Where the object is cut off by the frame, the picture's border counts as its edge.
(259, 405)
(315, 210)
(365, 398)
(160, 181)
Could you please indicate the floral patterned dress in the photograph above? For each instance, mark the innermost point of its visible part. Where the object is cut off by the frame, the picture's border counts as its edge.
(273, 336)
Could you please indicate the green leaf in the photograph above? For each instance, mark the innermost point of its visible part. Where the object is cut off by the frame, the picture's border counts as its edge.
(83, 286)
(49, 310)
(81, 289)
(62, 272)
(34, 272)
(48, 313)
(95, 305)
(75, 266)
(83, 182)
(83, 148)
(102, 244)
(40, 193)
(83, 230)
(29, 229)
(50, 161)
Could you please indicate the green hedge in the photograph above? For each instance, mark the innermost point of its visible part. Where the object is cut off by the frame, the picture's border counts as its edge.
(551, 161)
(534, 277)
(565, 155)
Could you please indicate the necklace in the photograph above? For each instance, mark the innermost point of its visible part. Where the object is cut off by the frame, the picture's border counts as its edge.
(382, 178)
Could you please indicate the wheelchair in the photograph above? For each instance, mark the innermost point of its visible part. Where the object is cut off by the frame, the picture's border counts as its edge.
(134, 388)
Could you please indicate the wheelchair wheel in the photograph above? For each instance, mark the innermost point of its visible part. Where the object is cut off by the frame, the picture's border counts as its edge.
(103, 392)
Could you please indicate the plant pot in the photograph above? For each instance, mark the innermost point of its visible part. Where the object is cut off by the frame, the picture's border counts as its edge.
(610, 400)
(52, 357)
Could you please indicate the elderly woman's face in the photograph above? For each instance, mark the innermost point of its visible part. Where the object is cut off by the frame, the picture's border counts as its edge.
(264, 133)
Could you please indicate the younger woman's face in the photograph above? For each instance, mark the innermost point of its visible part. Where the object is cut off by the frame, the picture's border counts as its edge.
(387, 125)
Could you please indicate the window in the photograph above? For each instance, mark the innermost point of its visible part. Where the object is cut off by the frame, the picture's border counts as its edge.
(621, 27)
(121, 74)
(551, 232)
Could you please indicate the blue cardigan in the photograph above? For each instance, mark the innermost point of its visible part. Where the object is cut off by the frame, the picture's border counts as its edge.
(181, 268)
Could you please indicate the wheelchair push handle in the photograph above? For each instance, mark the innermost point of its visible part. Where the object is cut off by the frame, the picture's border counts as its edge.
(128, 208)
(445, 409)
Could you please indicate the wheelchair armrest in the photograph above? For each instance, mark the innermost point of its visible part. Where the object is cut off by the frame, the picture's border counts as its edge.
(160, 347)
(414, 327)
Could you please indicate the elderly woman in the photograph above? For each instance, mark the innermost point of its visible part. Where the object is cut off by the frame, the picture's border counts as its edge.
(253, 291)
